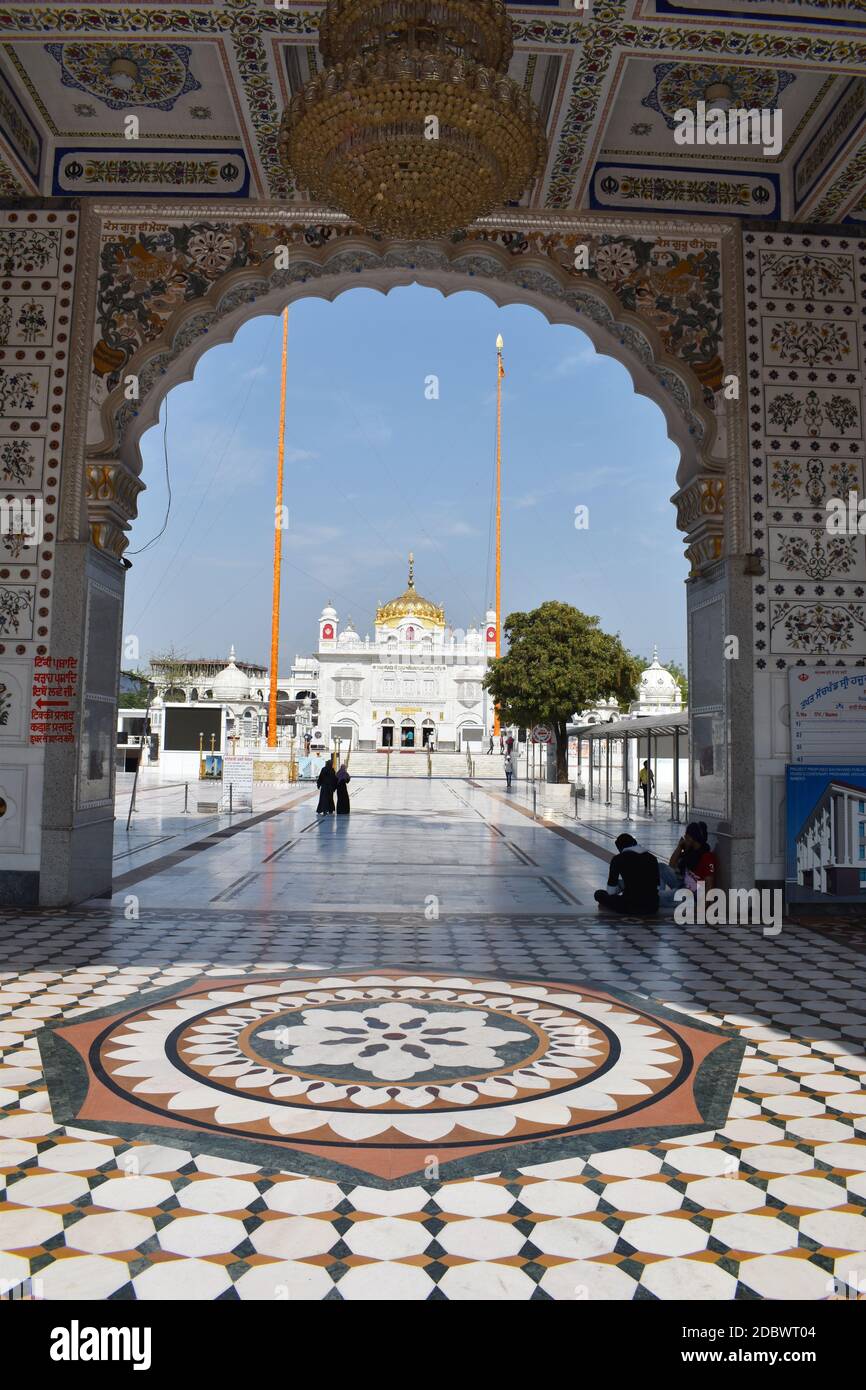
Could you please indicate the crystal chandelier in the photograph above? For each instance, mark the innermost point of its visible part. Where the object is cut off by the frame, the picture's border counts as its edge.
(413, 128)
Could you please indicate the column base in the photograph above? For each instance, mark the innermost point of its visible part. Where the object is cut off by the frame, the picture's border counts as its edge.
(19, 887)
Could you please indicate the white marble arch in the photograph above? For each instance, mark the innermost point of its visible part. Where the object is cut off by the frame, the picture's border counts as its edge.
(114, 428)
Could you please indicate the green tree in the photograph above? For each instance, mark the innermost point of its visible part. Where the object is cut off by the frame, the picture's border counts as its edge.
(133, 690)
(558, 660)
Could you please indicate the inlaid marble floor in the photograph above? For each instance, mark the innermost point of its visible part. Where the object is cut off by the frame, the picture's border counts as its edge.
(400, 1057)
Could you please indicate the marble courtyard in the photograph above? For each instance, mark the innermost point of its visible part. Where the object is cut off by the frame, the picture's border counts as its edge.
(284, 1078)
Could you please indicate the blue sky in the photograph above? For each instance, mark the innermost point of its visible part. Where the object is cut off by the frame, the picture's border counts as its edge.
(374, 469)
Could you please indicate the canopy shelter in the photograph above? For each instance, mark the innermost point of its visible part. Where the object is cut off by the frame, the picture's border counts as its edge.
(658, 736)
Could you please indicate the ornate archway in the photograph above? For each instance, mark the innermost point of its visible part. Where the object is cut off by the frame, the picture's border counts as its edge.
(167, 284)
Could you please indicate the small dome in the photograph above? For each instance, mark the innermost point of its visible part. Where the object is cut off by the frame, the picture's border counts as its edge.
(348, 635)
(329, 612)
(658, 686)
(230, 683)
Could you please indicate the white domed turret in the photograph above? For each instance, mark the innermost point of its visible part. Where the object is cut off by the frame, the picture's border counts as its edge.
(348, 635)
(328, 623)
(658, 691)
(230, 683)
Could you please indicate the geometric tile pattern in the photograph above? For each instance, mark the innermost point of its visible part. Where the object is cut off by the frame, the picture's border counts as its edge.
(769, 1204)
(389, 1073)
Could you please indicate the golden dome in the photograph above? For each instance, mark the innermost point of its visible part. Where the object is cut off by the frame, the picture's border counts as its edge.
(410, 604)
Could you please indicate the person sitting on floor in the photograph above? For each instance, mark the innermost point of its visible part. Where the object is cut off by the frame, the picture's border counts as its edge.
(637, 872)
(692, 862)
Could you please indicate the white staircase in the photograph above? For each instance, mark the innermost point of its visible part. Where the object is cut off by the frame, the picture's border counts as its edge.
(451, 765)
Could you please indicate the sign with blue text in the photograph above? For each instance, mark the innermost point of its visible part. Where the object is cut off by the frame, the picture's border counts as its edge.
(828, 715)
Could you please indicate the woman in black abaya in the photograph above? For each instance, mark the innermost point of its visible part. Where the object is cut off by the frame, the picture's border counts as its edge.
(343, 780)
(327, 784)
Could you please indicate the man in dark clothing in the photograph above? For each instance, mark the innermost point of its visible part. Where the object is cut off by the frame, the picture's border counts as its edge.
(327, 784)
(638, 871)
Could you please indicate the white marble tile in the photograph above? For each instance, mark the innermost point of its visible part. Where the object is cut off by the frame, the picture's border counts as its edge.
(388, 1238)
(131, 1193)
(625, 1163)
(688, 1280)
(639, 1194)
(284, 1281)
(587, 1281)
(664, 1235)
(783, 1277)
(182, 1280)
(26, 1227)
(303, 1196)
(294, 1237)
(385, 1282)
(726, 1194)
(100, 1235)
(202, 1235)
(218, 1194)
(764, 1235)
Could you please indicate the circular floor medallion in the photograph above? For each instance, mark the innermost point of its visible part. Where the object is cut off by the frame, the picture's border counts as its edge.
(388, 1063)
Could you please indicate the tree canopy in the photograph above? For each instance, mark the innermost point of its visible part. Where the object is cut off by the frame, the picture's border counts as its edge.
(558, 660)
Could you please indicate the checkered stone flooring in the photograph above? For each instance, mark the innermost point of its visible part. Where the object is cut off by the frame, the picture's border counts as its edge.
(768, 1206)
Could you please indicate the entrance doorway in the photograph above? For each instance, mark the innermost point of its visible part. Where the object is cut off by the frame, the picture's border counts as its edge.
(407, 735)
(386, 732)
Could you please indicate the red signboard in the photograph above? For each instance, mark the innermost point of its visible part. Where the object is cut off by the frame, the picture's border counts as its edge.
(55, 688)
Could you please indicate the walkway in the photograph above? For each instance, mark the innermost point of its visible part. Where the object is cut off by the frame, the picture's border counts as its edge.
(400, 1055)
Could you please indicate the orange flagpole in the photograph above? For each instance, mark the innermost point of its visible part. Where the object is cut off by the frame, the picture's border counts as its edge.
(500, 373)
(278, 550)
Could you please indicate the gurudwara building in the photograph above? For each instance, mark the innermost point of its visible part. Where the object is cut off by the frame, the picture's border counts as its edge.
(417, 683)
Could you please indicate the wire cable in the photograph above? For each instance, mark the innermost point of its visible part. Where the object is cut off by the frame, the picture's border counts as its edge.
(167, 484)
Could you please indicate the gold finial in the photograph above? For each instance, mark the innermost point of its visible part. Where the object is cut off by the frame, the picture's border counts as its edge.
(411, 570)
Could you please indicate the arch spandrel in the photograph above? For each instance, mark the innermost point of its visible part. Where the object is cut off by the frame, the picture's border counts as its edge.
(169, 287)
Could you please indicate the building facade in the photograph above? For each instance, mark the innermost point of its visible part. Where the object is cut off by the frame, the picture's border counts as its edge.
(831, 845)
(416, 684)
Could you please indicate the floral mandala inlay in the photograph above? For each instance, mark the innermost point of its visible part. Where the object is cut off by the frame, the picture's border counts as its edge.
(393, 1042)
(371, 1069)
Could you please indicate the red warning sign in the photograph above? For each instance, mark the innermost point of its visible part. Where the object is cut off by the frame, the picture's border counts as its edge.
(55, 690)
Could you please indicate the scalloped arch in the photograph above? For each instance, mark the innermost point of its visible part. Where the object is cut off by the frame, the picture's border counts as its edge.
(353, 262)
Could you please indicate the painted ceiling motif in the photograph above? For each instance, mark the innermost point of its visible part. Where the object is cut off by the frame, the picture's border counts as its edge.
(160, 72)
(209, 85)
(680, 86)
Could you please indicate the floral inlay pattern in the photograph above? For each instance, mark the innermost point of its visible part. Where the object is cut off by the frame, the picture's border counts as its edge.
(819, 627)
(788, 409)
(810, 344)
(805, 275)
(390, 1063)
(393, 1042)
(816, 554)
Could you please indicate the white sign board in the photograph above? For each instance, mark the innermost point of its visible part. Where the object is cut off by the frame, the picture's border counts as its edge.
(238, 774)
(828, 715)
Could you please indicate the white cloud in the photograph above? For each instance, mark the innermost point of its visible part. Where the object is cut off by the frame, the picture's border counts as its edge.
(572, 361)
